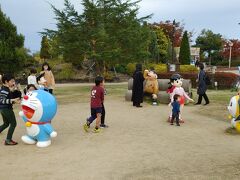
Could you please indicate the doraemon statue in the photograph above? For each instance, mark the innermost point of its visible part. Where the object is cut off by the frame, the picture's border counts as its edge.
(38, 109)
(234, 108)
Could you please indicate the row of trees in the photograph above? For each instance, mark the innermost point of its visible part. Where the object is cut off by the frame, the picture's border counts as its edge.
(109, 32)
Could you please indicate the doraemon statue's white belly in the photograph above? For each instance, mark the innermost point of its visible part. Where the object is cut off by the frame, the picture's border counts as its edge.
(33, 130)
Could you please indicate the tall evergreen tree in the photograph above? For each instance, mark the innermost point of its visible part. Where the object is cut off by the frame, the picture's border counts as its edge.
(10, 43)
(184, 55)
(45, 49)
(107, 32)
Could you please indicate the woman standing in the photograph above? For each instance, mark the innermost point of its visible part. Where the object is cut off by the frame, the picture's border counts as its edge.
(137, 91)
(48, 75)
(202, 86)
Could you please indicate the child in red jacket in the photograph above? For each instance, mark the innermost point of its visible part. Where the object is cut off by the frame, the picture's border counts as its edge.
(97, 98)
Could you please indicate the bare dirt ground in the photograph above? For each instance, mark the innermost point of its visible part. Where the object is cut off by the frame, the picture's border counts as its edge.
(139, 144)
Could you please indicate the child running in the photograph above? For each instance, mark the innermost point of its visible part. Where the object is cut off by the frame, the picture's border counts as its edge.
(176, 109)
(97, 98)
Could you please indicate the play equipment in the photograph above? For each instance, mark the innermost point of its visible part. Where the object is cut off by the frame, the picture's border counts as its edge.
(162, 95)
(234, 110)
(38, 109)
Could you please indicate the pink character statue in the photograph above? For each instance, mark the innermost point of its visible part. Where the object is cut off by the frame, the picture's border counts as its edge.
(176, 88)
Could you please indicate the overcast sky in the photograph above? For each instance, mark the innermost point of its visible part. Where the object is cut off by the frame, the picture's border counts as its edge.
(221, 16)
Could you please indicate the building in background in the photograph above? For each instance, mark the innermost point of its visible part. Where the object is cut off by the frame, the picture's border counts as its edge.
(194, 52)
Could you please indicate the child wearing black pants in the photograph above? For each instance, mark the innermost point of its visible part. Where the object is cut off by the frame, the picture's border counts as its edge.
(97, 99)
(7, 99)
(103, 125)
(175, 109)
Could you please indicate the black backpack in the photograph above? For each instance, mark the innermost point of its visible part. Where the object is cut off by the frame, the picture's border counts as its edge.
(207, 80)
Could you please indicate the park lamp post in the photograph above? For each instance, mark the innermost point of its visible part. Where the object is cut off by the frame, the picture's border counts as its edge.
(173, 65)
(173, 35)
(230, 53)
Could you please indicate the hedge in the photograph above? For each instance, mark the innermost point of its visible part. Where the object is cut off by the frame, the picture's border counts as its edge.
(131, 68)
(188, 69)
(234, 63)
(224, 79)
(160, 68)
(63, 71)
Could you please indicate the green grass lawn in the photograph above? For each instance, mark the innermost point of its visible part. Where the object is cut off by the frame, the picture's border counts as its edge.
(81, 93)
(219, 100)
(217, 109)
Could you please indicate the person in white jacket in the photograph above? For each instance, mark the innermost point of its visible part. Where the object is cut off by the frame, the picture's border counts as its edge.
(32, 79)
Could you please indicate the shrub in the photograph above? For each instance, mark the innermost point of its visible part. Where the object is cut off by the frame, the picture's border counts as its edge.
(63, 71)
(149, 65)
(131, 68)
(160, 68)
(226, 63)
(120, 68)
(188, 69)
(224, 79)
(108, 76)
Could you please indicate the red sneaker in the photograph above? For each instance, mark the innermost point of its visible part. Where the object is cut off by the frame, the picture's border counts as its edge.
(10, 143)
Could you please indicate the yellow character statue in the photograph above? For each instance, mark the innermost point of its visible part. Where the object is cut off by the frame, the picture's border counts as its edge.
(234, 110)
(151, 84)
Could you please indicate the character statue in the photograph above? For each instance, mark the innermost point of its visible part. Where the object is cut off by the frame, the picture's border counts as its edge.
(151, 86)
(38, 109)
(234, 110)
(176, 83)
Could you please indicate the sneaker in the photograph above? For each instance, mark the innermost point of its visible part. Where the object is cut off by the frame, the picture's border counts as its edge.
(177, 124)
(103, 126)
(171, 123)
(96, 130)
(10, 143)
(86, 127)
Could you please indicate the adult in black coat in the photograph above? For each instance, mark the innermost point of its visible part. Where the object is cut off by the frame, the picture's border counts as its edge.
(202, 86)
(137, 91)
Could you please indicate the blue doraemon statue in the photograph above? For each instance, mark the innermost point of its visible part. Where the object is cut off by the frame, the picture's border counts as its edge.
(38, 109)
